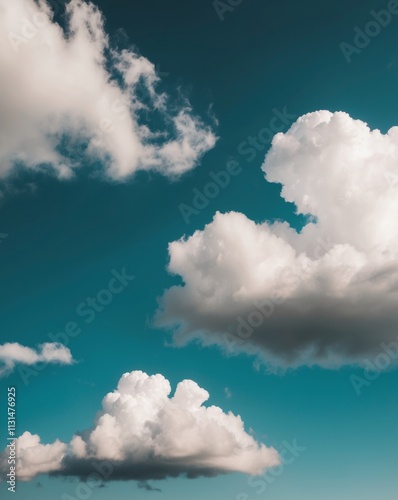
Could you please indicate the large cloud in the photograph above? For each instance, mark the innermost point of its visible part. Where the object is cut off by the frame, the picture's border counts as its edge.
(144, 433)
(12, 354)
(67, 96)
(326, 295)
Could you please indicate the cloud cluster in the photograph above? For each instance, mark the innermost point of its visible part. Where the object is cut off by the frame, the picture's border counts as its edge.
(324, 295)
(35, 458)
(145, 433)
(13, 353)
(68, 97)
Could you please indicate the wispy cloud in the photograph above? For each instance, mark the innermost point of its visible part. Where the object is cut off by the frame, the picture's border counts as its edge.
(12, 354)
(69, 97)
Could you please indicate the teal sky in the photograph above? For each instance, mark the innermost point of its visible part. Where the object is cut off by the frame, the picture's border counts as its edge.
(66, 237)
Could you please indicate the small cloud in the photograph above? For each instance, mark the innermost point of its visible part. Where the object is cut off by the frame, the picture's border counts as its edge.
(12, 354)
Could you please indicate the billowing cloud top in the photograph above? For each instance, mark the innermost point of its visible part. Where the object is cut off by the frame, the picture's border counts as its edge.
(13, 353)
(326, 295)
(144, 433)
(67, 96)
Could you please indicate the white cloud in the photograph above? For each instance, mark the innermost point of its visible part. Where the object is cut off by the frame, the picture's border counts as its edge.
(35, 458)
(68, 90)
(12, 353)
(326, 295)
(145, 433)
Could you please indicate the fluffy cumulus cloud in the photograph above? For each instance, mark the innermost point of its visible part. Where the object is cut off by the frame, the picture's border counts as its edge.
(35, 458)
(12, 354)
(67, 96)
(143, 432)
(324, 295)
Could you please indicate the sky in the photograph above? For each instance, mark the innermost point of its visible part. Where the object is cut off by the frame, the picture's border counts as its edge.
(220, 178)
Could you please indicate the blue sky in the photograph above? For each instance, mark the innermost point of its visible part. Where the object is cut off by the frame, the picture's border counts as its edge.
(65, 237)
